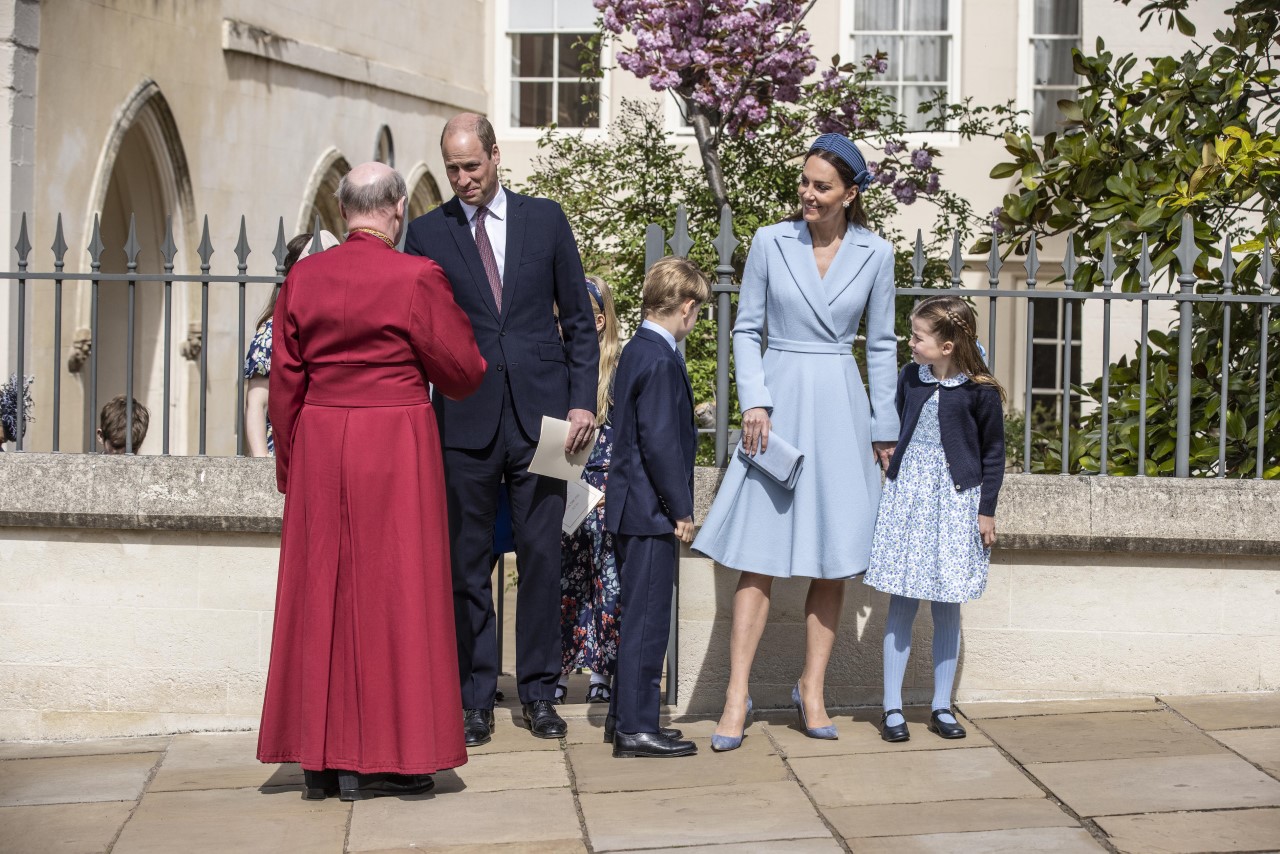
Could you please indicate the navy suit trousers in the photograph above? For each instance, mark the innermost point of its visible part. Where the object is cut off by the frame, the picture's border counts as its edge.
(472, 479)
(646, 566)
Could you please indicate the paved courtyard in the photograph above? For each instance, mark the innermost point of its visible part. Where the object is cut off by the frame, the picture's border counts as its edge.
(1145, 774)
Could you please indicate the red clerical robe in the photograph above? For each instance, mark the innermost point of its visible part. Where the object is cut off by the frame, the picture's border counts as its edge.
(364, 667)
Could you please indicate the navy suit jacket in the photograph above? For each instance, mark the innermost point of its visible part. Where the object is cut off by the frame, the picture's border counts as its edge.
(548, 375)
(654, 440)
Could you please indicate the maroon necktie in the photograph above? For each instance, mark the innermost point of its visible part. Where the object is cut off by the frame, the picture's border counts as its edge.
(485, 248)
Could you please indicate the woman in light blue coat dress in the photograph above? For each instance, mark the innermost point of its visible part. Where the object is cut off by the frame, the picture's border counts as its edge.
(809, 281)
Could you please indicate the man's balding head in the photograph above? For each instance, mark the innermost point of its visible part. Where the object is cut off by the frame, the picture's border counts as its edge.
(370, 188)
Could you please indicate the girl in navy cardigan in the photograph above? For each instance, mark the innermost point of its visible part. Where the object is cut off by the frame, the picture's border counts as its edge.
(937, 523)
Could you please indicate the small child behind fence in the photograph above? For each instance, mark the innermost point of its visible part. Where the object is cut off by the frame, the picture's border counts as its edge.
(111, 426)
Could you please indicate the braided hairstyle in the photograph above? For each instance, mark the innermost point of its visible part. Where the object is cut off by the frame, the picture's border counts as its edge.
(952, 319)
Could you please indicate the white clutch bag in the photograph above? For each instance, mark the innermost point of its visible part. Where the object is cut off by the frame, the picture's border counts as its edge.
(781, 461)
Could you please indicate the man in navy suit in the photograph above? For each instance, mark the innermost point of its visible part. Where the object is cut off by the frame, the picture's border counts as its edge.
(650, 500)
(512, 262)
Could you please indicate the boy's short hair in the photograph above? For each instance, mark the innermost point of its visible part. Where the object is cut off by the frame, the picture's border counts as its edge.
(112, 419)
(670, 282)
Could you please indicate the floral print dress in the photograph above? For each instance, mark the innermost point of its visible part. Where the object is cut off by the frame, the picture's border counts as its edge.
(257, 363)
(926, 543)
(589, 578)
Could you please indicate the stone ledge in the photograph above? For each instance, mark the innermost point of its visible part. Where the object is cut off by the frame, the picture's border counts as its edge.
(1041, 512)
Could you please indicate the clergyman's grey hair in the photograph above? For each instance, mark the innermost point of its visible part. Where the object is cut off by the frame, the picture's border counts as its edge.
(379, 195)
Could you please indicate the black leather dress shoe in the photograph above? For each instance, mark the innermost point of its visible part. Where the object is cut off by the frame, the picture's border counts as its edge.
(610, 725)
(894, 733)
(359, 787)
(543, 720)
(650, 745)
(319, 784)
(477, 726)
(943, 728)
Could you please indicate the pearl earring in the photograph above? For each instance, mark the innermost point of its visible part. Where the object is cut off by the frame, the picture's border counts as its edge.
(846, 204)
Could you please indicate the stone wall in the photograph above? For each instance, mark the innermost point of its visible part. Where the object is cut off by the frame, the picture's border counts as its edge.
(136, 596)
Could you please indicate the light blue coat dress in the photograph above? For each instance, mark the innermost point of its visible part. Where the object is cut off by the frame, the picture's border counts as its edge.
(809, 380)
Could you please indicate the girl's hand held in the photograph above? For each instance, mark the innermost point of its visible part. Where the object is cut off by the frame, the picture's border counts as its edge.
(987, 528)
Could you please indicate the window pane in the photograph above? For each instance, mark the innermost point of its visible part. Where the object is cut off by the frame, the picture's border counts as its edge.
(575, 15)
(912, 98)
(1046, 324)
(532, 15)
(1047, 115)
(871, 45)
(924, 15)
(925, 58)
(1044, 371)
(530, 104)
(573, 59)
(1053, 62)
(579, 105)
(1059, 17)
(875, 15)
(531, 55)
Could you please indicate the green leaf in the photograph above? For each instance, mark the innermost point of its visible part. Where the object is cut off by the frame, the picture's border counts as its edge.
(1071, 110)
(1004, 170)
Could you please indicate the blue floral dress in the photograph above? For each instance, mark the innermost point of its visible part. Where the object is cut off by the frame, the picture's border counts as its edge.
(926, 543)
(257, 363)
(589, 578)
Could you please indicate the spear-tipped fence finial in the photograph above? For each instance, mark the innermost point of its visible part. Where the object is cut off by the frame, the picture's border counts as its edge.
(168, 249)
(59, 247)
(1267, 269)
(918, 262)
(96, 246)
(1032, 264)
(1187, 252)
(1069, 265)
(680, 241)
(994, 261)
(242, 248)
(1144, 266)
(317, 245)
(1228, 266)
(23, 245)
(725, 243)
(281, 251)
(1108, 266)
(131, 246)
(956, 261)
(205, 249)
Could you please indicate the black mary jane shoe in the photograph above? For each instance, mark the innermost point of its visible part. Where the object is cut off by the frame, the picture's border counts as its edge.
(360, 787)
(610, 729)
(944, 729)
(598, 693)
(319, 784)
(894, 733)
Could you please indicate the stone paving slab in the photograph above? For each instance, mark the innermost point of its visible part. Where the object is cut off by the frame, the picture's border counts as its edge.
(1229, 711)
(595, 770)
(95, 747)
(862, 735)
(555, 846)
(217, 760)
(74, 779)
(1099, 735)
(785, 846)
(946, 817)
(241, 820)
(1189, 832)
(1059, 840)
(523, 817)
(1161, 784)
(978, 711)
(919, 777)
(749, 813)
(534, 769)
(1259, 746)
(62, 828)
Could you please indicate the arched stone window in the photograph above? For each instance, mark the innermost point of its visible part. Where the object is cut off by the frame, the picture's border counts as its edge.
(424, 193)
(320, 198)
(384, 149)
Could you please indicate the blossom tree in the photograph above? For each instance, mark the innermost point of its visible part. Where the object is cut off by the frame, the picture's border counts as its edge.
(728, 61)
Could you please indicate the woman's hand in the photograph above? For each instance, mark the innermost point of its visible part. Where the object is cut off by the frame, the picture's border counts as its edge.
(883, 452)
(987, 528)
(755, 430)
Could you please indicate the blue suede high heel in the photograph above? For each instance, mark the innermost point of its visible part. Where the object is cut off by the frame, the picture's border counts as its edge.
(721, 743)
(824, 732)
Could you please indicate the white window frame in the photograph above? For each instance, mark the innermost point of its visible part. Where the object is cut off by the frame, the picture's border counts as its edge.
(501, 114)
(955, 9)
(1027, 57)
(674, 121)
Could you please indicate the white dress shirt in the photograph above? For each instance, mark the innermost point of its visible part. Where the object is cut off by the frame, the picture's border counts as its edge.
(495, 225)
(666, 335)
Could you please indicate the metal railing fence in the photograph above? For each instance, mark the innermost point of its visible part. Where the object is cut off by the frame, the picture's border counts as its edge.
(1190, 292)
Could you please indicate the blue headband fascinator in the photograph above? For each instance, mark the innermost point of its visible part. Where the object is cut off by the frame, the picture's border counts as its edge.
(12, 394)
(595, 292)
(843, 147)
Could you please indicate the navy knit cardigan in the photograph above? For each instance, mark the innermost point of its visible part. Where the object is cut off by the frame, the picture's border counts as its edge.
(972, 422)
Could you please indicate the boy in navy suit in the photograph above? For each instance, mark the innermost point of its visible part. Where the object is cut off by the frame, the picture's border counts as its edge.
(650, 500)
